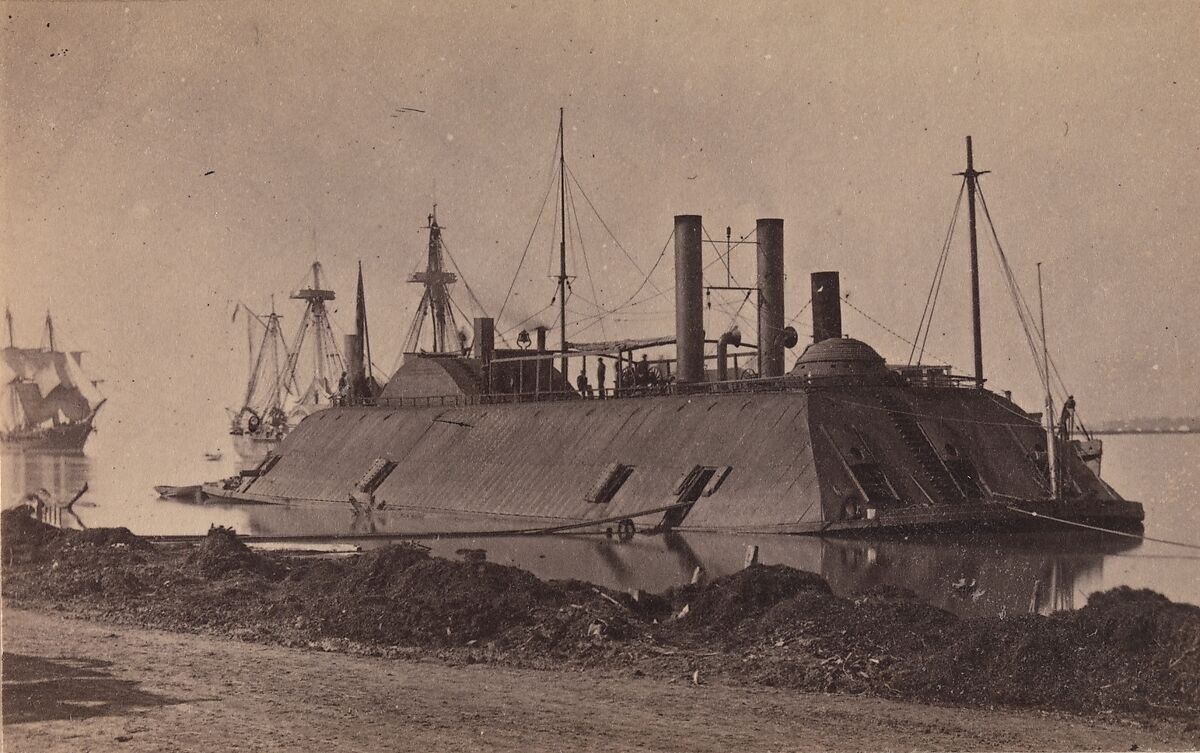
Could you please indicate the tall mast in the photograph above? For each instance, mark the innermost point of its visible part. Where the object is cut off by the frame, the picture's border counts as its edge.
(562, 245)
(1051, 442)
(971, 174)
(12, 343)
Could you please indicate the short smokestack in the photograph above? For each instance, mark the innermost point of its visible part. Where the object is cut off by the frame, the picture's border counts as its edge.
(732, 337)
(484, 344)
(689, 299)
(353, 351)
(826, 306)
(770, 297)
(541, 338)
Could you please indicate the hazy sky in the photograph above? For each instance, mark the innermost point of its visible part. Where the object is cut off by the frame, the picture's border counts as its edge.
(845, 119)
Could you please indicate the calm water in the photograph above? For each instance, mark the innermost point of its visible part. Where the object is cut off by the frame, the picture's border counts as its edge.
(1011, 574)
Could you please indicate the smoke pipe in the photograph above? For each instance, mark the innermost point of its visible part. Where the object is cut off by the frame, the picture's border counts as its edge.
(770, 297)
(484, 344)
(689, 299)
(541, 338)
(352, 347)
(826, 306)
(732, 337)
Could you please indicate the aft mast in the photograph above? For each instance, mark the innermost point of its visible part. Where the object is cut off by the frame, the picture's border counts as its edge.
(12, 343)
(971, 174)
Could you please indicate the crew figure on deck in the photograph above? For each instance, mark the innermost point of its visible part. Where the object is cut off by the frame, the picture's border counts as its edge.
(1066, 422)
(600, 373)
(581, 383)
(641, 372)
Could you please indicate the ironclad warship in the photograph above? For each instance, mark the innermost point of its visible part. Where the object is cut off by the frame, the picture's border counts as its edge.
(693, 440)
(49, 402)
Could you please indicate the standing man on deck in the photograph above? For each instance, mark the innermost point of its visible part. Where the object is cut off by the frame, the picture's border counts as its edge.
(600, 374)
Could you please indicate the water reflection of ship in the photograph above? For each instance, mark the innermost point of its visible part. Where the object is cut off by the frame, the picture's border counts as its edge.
(277, 397)
(60, 474)
(970, 576)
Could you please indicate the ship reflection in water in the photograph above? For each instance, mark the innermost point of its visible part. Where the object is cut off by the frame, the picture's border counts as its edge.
(56, 477)
(1000, 574)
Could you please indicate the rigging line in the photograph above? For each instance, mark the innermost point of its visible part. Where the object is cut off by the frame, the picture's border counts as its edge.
(884, 327)
(586, 264)
(604, 224)
(630, 303)
(646, 279)
(1139, 537)
(935, 284)
(531, 317)
(941, 261)
(532, 233)
(798, 313)
(463, 277)
(1024, 313)
(939, 278)
(714, 244)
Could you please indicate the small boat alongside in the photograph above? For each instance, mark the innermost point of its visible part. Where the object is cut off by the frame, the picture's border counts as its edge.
(166, 491)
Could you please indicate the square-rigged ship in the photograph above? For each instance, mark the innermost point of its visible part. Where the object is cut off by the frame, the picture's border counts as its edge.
(49, 403)
(841, 442)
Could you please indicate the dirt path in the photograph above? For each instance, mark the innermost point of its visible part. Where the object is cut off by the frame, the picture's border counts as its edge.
(72, 685)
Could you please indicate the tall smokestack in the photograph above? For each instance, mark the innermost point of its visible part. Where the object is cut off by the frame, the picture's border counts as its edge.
(826, 306)
(484, 343)
(353, 351)
(770, 297)
(689, 299)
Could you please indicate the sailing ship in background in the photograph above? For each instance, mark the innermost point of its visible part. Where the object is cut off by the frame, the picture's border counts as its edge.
(277, 394)
(49, 402)
(288, 382)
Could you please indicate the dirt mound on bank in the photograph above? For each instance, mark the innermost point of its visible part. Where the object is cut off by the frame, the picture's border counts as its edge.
(221, 553)
(720, 606)
(401, 595)
(1127, 649)
(24, 538)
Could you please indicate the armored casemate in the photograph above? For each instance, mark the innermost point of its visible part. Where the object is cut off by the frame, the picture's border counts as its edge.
(841, 441)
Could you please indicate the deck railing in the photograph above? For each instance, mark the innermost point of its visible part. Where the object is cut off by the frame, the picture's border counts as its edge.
(741, 386)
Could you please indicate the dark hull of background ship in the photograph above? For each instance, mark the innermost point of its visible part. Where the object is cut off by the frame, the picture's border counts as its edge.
(63, 438)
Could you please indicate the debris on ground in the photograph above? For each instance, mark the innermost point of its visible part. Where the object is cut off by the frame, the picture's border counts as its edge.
(1127, 651)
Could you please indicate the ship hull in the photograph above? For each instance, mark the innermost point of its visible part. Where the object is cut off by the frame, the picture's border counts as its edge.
(253, 448)
(62, 438)
(858, 461)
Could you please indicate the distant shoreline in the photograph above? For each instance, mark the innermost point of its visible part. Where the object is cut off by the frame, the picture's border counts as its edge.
(1111, 432)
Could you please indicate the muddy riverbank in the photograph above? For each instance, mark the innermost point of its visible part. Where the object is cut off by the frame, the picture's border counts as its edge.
(1127, 654)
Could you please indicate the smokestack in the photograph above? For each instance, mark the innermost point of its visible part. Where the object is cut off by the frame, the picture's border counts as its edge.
(352, 348)
(689, 299)
(541, 338)
(826, 306)
(484, 343)
(770, 297)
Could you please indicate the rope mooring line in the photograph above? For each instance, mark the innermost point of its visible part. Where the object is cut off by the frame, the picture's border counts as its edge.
(1102, 530)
